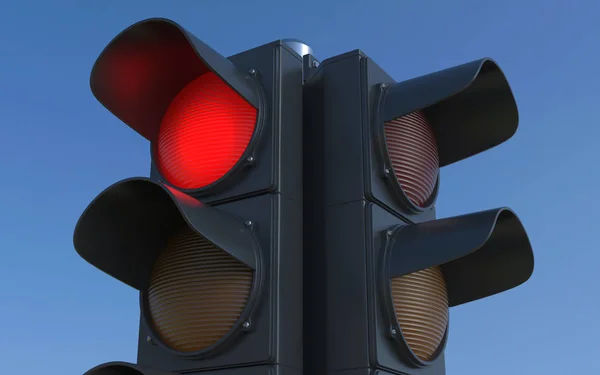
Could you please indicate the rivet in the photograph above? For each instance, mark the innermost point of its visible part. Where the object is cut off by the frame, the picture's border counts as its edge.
(252, 72)
(389, 232)
(246, 324)
(394, 331)
(248, 224)
(149, 339)
(250, 159)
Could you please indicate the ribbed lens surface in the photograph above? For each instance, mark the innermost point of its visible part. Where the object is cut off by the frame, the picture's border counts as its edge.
(421, 304)
(204, 133)
(413, 152)
(197, 292)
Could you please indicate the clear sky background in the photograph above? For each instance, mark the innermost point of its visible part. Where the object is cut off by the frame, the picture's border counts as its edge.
(59, 148)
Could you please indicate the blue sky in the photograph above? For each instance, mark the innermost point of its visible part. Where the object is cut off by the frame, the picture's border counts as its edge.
(59, 148)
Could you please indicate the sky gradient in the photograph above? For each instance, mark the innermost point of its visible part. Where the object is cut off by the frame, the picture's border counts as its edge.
(59, 148)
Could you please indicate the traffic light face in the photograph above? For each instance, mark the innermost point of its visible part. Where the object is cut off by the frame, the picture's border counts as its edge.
(423, 124)
(212, 234)
(208, 119)
(204, 133)
(391, 269)
(398, 134)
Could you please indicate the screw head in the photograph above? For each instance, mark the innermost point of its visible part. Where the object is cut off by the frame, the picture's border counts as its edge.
(252, 72)
(389, 232)
(246, 325)
(315, 64)
(394, 331)
(148, 339)
(248, 224)
(386, 171)
(250, 159)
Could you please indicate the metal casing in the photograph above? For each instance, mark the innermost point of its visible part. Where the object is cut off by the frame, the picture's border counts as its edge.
(358, 234)
(261, 202)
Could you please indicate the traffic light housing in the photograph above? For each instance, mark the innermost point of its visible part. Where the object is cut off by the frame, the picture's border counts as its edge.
(215, 231)
(288, 223)
(388, 270)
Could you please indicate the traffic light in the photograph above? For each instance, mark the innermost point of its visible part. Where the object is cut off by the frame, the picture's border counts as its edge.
(385, 271)
(213, 238)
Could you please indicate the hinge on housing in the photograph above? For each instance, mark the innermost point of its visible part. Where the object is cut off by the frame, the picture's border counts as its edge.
(309, 67)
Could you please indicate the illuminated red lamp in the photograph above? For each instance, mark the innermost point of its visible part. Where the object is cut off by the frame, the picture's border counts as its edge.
(204, 133)
(413, 154)
(198, 110)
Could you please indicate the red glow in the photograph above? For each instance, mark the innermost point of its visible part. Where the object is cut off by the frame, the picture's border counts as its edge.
(413, 152)
(184, 198)
(204, 133)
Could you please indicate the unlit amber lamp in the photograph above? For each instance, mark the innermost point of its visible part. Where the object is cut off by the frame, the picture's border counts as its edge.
(421, 304)
(197, 293)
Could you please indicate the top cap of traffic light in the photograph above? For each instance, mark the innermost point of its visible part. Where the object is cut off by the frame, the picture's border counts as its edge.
(469, 107)
(197, 109)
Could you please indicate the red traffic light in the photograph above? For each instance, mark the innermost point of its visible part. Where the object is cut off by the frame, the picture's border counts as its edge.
(199, 112)
(204, 133)
(215, 231)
